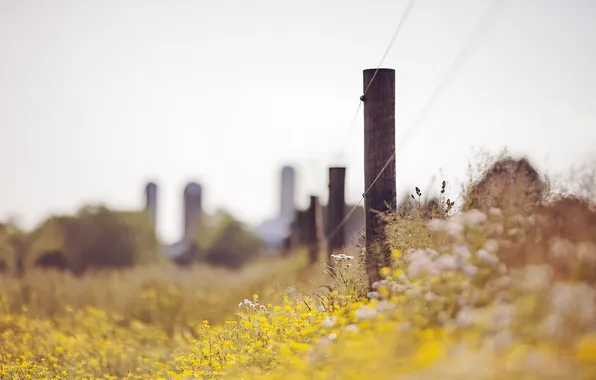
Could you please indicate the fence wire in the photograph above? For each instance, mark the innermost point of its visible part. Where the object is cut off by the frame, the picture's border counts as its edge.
(470, 44)
(401, 23)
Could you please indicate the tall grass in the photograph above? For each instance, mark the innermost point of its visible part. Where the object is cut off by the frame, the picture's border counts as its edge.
(497, 284)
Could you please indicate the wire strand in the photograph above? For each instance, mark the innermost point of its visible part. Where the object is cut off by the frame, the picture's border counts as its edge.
(351, 128)
(402, 21)
(404, 17)
(470, 41)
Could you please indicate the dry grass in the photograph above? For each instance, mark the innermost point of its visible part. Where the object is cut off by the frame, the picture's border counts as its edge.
(501, 290)
(165, 295)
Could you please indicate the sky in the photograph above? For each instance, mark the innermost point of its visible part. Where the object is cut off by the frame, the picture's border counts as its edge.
(99, 97)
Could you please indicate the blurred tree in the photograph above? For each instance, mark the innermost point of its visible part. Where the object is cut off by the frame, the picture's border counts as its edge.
(94, 238)
(222, 240)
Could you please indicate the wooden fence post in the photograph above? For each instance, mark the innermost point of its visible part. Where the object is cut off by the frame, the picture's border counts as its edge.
(315, 233)
(336, 208)
(301, 228)
(379, 150)
(286, 245)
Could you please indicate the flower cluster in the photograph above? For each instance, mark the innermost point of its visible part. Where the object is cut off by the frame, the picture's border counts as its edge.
(450, 311)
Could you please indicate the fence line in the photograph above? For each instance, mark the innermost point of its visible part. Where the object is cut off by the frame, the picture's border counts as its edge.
(471, 41)
(401, 23)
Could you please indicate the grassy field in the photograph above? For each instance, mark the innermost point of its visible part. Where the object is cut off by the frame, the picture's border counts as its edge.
(498, 290)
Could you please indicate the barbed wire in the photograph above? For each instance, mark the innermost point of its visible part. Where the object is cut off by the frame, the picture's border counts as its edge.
(400, 24)
(471, 41)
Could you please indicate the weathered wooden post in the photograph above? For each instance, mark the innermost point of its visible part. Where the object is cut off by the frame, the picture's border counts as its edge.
(336, 208)
(314, 228)
(379, 163)
(301, 228)
(286, 245)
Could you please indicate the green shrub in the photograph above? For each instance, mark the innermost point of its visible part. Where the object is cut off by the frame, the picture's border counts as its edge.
(223, 240)
(94, 238)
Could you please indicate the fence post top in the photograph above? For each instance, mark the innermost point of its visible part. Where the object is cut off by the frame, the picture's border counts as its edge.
(380, 69)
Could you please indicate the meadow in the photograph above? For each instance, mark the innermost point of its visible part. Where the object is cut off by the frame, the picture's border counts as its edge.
(499, 286)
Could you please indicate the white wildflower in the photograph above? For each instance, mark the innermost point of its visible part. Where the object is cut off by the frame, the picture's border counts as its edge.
(446, 263)
(463, 318)
(560, 248)
(462, 251)
(436, 225)
(332, 336)
(365, 312)
(487, 257)
(502, 316)
(373, 295)
(399, 288)
(454, 228)
(494, 211)
(329, 321)
(491, 245)
(385, 305)
(536, 278)
(351, 328)
(502, 340)
(341, 257)
(416, 254)
(246, 303)
(574, 300)
(586, 252)
(432, 253)
(420, 266)
(469, 270)
(473, 217)
(430, 296)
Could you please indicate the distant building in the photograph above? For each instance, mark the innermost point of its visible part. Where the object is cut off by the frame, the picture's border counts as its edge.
(273, 231)
(183, 251)
(151, 202)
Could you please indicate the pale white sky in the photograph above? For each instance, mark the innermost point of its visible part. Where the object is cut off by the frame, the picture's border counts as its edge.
(97, 97)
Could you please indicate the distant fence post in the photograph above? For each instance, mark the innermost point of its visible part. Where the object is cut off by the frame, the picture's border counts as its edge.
(286, 245)
(336, 210)
(301, 228)
(314, 228)
(379, 146)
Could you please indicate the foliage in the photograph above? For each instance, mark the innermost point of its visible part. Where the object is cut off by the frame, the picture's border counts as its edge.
(455, 311)
(222, 240)
(94, 238)
(148, 249)
(463, 297)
